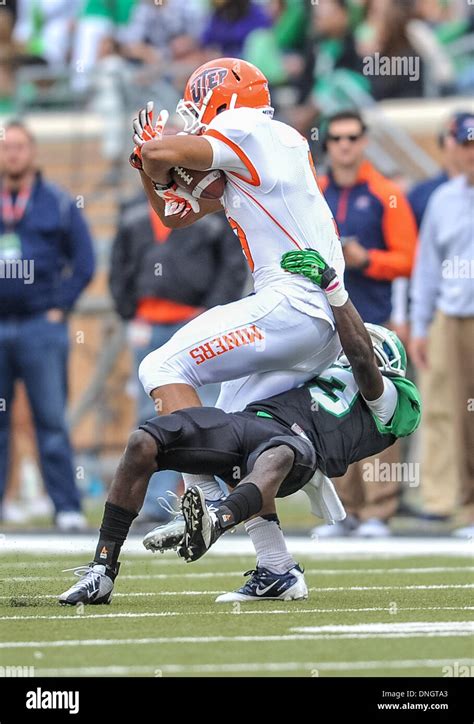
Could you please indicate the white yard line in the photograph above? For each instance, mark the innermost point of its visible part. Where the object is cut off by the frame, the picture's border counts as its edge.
(450, 629)
(320, 589)
(241, 545)
(404, 627)
(21, 597)
(221, 574)
(255, 667)
(247, 612)
(418, 587)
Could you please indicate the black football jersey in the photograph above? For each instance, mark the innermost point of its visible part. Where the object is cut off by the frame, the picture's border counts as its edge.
(333, 414)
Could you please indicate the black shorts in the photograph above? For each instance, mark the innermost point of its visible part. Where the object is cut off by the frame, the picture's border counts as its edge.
(207, 440)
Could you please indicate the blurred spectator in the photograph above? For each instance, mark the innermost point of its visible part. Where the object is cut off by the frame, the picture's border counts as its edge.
(393, 30)
(108, 98)
(161, 278)
(438, 65)
(44, 29)
(373, 217)
(278, 50)
(334, 40)
(164, 31)
(453, 34)
(390, 19)
(46, 260)
(333, 65)
(97, 19)
(229, 25)
(378, 232)
(442, 345)
(7, 60)
(420, 193)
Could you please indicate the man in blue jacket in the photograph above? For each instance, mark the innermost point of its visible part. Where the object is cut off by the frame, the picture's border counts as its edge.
(420, 193)
(46, 260)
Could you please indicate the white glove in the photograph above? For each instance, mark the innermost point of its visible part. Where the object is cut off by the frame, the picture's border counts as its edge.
(143, 127)
(145, 131)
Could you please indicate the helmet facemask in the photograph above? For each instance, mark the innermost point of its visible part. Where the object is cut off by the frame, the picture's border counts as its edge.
(388, 350)
(192, 115)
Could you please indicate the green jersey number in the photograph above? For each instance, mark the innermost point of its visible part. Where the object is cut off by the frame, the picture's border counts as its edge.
(335, 393)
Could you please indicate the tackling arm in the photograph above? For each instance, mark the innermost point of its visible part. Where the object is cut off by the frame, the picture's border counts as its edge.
(354, 337)
(359, 350)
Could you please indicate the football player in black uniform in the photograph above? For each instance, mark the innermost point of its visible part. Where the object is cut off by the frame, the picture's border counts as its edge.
(355, 409)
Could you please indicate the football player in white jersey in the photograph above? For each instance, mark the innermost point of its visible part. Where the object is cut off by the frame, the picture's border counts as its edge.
(282, 335)
(363, 404)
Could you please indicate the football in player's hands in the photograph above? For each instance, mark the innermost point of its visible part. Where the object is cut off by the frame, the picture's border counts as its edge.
(200, 184)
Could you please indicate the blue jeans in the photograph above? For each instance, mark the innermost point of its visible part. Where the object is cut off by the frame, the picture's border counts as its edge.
(36, 351)
(167, 479)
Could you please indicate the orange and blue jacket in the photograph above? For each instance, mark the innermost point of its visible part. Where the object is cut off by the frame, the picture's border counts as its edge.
(375, 211)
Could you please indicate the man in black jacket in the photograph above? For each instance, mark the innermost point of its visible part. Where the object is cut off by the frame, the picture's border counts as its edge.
(159, 279)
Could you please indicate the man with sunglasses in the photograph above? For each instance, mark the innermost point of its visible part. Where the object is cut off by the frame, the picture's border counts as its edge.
(378, 231)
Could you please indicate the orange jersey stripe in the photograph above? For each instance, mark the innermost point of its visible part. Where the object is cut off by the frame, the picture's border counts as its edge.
(282, 228)
(254, 177)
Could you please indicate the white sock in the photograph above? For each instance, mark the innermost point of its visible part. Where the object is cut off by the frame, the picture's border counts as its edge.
(270, 545)
(208, 484)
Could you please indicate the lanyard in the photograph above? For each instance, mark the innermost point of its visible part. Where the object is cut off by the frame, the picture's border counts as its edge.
(13, 211)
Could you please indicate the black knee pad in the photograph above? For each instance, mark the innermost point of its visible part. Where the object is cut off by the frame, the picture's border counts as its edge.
(304, 464)
(166, 430)
(194, 440)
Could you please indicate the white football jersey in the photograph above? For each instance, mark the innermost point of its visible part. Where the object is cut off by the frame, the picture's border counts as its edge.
(273, 202)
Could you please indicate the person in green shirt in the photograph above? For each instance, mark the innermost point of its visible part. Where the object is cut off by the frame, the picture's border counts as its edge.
(97, 20)
(278, 50)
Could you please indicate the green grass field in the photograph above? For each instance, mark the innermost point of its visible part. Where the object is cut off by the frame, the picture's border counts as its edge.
(364, 617)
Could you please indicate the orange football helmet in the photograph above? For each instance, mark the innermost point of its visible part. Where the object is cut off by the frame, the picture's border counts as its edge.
(222, 84)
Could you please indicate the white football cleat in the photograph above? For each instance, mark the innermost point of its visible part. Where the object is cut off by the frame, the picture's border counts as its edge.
(166, 536)
(95, 585)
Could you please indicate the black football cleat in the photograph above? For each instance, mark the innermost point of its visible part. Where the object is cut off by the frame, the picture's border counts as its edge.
(202, 527)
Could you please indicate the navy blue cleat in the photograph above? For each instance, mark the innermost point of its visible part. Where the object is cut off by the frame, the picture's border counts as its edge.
(267, 586)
